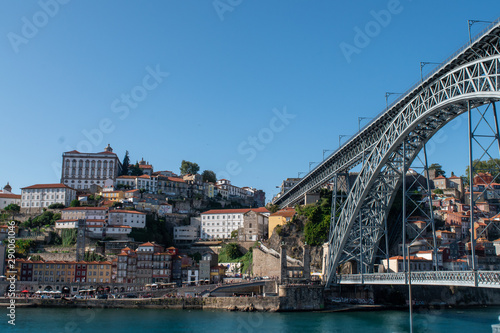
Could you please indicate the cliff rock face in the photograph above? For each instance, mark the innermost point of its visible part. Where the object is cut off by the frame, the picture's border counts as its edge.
(292, 234)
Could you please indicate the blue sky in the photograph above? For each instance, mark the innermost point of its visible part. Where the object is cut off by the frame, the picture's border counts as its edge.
(253, 90)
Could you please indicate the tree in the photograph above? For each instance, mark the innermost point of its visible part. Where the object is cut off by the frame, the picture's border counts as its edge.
(491, 166)
(125, 164)
(209, 176)
(12, 209)
(272, 208)
(233, 251)
(438, 191)
(234, 233)
(75, 203)
(135, 170)
(57, 205)
(438, 168)
(189, 168)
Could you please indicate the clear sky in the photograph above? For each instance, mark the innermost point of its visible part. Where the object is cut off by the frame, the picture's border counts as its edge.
(253, 90)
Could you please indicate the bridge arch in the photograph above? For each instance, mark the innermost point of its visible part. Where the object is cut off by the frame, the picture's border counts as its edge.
(470, 85)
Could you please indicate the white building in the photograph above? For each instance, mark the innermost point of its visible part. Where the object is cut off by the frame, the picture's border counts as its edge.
(115, 222)
(7, 197)
(186, 233)
(36, 197)
(220, 223)
(230, 191)
(129, 218)
(144, 182)
(81, 170)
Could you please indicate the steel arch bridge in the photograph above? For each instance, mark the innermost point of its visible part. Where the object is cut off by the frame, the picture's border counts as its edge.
(389, 144)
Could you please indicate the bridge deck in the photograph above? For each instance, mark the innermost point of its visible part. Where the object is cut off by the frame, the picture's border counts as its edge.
(481, 279)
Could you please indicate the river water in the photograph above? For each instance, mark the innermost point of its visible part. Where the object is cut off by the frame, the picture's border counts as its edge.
(149, 320)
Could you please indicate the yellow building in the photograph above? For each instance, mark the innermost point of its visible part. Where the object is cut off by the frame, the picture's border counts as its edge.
(99, 271)
(114, 196)
(281, 217)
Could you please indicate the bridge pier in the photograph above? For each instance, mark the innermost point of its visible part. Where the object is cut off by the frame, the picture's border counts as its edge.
(311, 198)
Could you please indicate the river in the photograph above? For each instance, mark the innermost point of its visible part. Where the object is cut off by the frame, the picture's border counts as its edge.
(148, 320)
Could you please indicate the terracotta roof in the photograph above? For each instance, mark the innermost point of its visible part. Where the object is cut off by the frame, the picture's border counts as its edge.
(285, 212)
(127, 211)
(146, 166)
(72, 152)
(107, 152)
(440, 177)
(10, 196)
(236, 211)
(86, 208)
(411, 258)
(174, 179)
(147, 244)
(59, 185)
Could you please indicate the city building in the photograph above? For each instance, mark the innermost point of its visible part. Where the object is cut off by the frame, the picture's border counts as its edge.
(81, 170)
(36, 197)
(220, 223)
(255, 227)
(7, 197)
(281, 217)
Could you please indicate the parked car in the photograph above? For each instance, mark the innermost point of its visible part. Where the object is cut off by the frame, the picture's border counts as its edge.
(131, 296)
(102, 296)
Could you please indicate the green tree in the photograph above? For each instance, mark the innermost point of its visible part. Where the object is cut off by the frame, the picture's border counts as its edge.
(75, 203)
(438, 168)
(209, 176)
(272, 208)
(125, 164)
(491, 166)
(12, 209)
(233, 251)
(135, 170)
(438, 191)
(56, 206)
(189, 168)
(234, 233)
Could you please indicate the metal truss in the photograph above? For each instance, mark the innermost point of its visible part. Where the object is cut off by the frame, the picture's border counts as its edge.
(482, 279)
(350, 154)
(418, 193)
(469, 85)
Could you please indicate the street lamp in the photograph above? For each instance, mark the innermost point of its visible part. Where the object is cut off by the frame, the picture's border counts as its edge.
(470, 23)
(298, 175)
(311, 163)
(324, 151)
(422, 65)
(359, 121)
(387, 94)
(342, 136)
(412, 244)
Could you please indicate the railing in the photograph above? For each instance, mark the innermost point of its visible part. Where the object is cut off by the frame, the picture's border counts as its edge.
(483, 279)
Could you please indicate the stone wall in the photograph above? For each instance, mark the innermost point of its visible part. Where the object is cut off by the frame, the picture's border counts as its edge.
(265, 264)
(301, 298)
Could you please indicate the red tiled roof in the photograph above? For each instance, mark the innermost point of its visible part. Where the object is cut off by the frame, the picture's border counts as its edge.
(73, 152)
(440, 177)
(10, 196)
(147, 244)
(107, 152)
(146, 166)
(86, 208)
(59, 185)
(127, 211)
(287, 212)
(174, 179)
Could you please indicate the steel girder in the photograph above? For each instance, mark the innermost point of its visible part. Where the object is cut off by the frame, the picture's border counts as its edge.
(441, 101)
(350, 154)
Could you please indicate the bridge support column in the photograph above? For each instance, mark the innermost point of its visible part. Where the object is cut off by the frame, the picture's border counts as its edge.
(311, 198)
